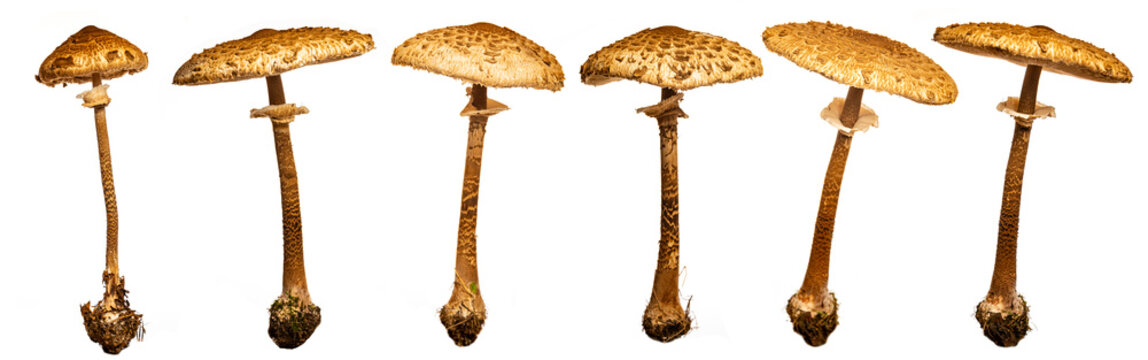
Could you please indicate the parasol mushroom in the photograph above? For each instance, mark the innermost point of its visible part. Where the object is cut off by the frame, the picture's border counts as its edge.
(269, 53)
(94, 55)
(483, 55)
(1003, 314)
(861, 60)
(676, 60)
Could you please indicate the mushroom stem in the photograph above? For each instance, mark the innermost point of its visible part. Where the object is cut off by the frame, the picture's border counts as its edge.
(664, 319)
(666, 277)
(112, 265)
(294, 274)
(293, 316)
(817, 273)
(464, 314)
(813, 309)
(111, 323)
(1027, 103)
(466, 255)
(1003, 315)
(1004, 270)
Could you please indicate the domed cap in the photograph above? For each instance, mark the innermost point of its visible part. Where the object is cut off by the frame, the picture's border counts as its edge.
(861, 59)
(484, 54)
(671, 57)
(88, 52)
(1035, 45)
(270, 52)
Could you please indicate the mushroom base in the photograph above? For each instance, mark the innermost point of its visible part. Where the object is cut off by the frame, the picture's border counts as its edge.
(461, 323)
(1004, 322)
(112, 325)
(813, 320)
(113, 328)
(292, 323)
(666, 322)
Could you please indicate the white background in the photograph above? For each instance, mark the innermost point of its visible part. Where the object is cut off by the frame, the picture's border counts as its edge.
(570, 196)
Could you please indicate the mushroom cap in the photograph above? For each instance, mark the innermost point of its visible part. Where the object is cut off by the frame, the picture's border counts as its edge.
(1035, 45)
(88, 52)
(484, 54)
(671, 57)
(270, 52)
(862, 59)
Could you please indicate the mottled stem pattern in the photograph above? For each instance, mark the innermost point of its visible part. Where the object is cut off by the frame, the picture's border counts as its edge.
(112, 264)
(666, 277)
(817, 273)
(1004, 271)
(664, 319)
(464, 314)
(294, 274)
(466, 254)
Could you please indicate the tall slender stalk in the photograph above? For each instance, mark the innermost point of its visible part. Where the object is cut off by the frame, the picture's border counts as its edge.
(112, 323)
(813, 310)
(1003, 314)
(111, 262)
(294, 272)
(465, 313)
(293, 316)
(664, 319)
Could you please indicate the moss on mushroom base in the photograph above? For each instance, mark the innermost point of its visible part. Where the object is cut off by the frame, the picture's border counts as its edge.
(292, 323)
(814, 322)
(112, 326)
(461, 323)
(665, 323)
(1004, 324)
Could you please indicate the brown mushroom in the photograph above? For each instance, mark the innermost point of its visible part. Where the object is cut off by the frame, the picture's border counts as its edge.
(676, 60)
(1003, 314)
(269, 53)
(94, 55)
(484, 55)
(861, 60)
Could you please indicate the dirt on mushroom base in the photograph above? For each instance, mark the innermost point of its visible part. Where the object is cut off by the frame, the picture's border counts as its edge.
(291, 323)
(1004, 325)
(114, 326)
(813, 323)
(665, 326)
(461, 323)
(666, 323)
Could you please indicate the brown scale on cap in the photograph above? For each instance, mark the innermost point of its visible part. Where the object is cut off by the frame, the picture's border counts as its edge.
(861, 59)
(270, 52)
(671, 57)
(91, 51)
(1035, 45)
(484, 54)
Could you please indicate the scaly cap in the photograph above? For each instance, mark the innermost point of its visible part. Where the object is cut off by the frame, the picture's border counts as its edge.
(270, 52)
(671, 57)
(1035, 45)
(484, 54)
(861, 59)
(91, 51)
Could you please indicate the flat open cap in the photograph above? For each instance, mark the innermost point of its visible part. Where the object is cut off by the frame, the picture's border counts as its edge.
(1035, 45)
(91, 51)
(671, 57)
(270, 52)
(861, 59)
(484, 54)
